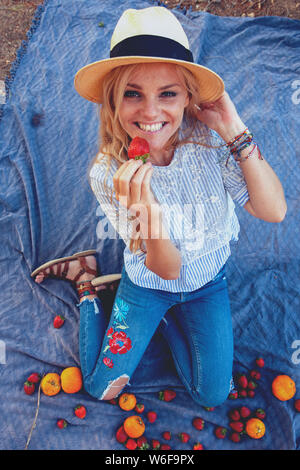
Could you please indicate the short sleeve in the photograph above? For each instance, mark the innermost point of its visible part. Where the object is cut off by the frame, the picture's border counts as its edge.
(232, 175)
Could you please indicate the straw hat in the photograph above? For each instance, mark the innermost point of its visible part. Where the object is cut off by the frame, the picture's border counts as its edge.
(148, 35)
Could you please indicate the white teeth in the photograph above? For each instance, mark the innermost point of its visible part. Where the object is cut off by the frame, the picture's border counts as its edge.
(151, 127)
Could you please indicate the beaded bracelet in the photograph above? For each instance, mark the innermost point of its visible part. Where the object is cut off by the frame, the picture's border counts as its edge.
(85, 288)
(246, 132)
(240, 143)
(242, 159)
(234, 148)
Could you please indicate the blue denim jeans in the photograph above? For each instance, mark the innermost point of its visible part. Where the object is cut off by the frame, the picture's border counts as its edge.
(197, 326)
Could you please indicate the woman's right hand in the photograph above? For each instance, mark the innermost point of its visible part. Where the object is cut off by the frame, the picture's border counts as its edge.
(132, 183)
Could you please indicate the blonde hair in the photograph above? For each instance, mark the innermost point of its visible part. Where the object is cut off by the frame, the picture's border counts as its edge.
(113, 139)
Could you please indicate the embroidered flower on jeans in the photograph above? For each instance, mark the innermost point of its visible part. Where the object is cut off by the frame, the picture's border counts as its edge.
(108, 362)
(119, 343)
(120, 312)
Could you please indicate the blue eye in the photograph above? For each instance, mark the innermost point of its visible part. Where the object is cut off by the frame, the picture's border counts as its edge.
(169, 93)
(131, 94)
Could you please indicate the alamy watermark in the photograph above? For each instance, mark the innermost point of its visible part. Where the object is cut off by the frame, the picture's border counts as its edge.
(296, 94)
(2, 352)
(296, 354)
(186, 223)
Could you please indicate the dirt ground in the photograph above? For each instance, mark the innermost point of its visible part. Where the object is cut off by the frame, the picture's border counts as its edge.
(16, 17)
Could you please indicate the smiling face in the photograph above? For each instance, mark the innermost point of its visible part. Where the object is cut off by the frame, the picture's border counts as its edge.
(152, 107)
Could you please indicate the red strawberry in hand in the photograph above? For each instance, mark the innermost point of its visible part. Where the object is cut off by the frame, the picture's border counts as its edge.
(80, 411)
(167, 395)
(139, 149)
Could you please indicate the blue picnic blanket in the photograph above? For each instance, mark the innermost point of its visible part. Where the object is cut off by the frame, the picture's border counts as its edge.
(48, 136)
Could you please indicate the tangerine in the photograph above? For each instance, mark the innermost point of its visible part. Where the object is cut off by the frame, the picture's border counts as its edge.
(71, 380)
(283, 387)
(127, 401)
(134, 426)
(255, 428)
(51, 384)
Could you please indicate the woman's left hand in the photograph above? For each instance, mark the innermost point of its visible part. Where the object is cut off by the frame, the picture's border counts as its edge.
(222, 117)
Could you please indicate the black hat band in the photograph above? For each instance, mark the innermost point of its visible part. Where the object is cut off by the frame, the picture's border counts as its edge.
(151, 46)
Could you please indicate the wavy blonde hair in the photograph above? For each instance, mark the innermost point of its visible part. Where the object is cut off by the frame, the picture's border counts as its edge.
(113, 139)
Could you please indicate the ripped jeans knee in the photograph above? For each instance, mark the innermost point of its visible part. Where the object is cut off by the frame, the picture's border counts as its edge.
(112, 390)
(115, 387)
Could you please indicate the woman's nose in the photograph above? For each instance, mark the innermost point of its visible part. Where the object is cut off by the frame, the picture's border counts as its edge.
(150, 108)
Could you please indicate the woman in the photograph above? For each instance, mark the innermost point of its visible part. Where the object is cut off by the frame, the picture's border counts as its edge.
(175, 213)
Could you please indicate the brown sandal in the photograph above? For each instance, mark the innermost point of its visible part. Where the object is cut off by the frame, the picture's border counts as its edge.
(65, 262)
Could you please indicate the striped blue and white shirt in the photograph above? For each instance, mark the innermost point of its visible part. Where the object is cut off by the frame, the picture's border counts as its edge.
(197, 192)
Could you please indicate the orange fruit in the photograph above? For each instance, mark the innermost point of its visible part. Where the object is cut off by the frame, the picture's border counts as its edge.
(127, 401)
(71, 380)
(134, 426)
(50, 384)
(255, 428)
(283, 387)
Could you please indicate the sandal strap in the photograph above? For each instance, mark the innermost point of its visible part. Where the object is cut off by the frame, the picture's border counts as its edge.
(89, 270)
(62, 268)
(65, 269)
(84, 269)
(58, 272)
